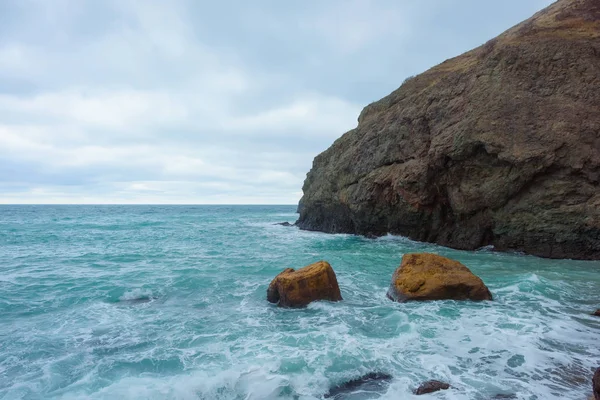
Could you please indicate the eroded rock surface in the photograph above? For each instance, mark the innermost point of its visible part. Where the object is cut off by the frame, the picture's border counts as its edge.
(298, 288)
(499, 146)
(424, 276)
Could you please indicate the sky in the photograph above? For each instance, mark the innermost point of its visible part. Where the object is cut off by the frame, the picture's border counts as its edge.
(198, 102)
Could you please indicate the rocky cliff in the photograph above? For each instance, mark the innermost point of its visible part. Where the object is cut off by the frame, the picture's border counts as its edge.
(499, 146)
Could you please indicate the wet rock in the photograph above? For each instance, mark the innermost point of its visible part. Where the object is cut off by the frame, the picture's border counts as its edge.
(137, 300)
(597, 313)
(431, 386)
(596, 384)
(284, 224)
(314, 282)
(374, 382)
(424, 276)
(498, 146)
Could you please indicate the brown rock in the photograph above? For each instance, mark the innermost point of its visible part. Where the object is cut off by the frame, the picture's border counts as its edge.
(597, 313)
(293, 288)
(499, 146)
(424, 276)
(596, 384)
(431, 386)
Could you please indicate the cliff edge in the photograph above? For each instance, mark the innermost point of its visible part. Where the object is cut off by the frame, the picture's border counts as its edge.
(499, 146)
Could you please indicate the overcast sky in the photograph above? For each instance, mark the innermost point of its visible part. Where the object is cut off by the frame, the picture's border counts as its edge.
(186, 101)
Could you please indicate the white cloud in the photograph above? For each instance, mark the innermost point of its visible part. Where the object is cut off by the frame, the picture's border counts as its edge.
(313, 115)
(358, 23)
(14, 57)
(186, 102)
(118, 109)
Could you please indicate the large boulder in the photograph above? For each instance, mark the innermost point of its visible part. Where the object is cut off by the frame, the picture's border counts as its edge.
(424, 276)
(293, 288)
(499, 146)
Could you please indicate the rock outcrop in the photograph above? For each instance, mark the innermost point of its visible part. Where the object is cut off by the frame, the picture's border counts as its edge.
(293, 288)
(596, 313)
(499, 146)
(424, 276)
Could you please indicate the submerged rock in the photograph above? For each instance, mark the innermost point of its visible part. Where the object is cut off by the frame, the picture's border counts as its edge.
(498, 146)
(284, 224)
(424, 276)
(596, 384)
(293, 288)
(137, 300)
(431, 386)
(374, 382)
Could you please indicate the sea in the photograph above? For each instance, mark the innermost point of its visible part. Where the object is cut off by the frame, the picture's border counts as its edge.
(169, 302)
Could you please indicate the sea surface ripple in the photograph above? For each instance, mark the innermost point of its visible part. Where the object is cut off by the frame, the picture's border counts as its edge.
(168, 302)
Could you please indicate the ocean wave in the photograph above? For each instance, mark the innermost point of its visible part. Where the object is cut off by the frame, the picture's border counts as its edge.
(73, 326)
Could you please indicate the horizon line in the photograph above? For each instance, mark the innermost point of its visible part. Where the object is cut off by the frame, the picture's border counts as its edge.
(145, 204)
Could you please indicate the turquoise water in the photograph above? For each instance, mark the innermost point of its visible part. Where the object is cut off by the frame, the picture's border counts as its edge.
(168, 302)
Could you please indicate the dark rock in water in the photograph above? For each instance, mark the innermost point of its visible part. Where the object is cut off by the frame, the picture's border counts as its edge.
(424, 276)
(138, 300)
(504, 396)
(596, 384)
(499, 146)
(373, 382)
(284, 224)
(431, 386)
(293, 288)
(597, 313)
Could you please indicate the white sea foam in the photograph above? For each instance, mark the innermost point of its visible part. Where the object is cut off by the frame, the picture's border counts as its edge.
(137, 293)
(287, 215)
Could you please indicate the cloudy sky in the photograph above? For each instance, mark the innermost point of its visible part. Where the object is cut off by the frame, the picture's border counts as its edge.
(191, 101)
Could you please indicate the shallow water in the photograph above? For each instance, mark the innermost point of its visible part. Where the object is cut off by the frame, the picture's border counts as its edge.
(168, 302)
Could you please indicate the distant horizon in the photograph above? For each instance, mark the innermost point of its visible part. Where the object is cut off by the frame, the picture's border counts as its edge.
(146, 204)
(193, 102)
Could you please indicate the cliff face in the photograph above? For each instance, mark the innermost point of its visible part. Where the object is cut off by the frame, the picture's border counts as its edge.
(499, 146)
